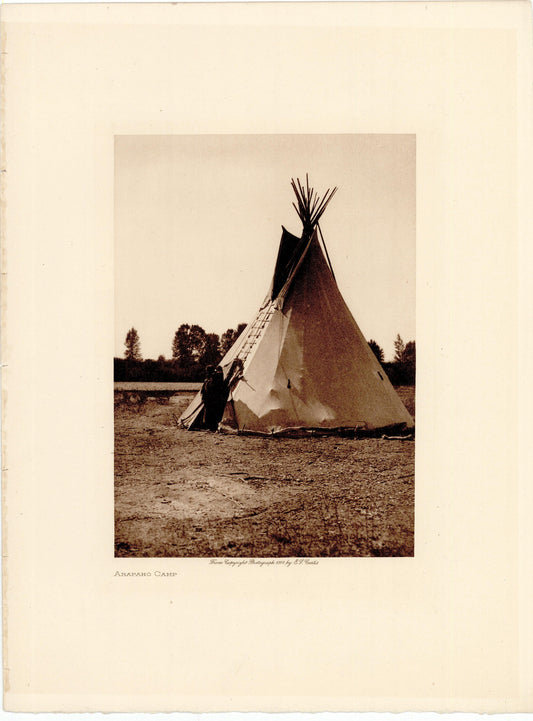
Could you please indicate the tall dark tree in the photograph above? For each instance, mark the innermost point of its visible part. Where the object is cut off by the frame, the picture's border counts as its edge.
(180, 342)
(399, 349)
(403, 369)
(229, 337)
(197, 339)
(211, 355)
(188, 345)
(133, 346)
(376, 350)
(409, 354)
(226, 341)
(409, 361)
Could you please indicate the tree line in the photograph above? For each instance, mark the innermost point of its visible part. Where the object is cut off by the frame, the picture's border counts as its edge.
(193, 350)
(402, 370)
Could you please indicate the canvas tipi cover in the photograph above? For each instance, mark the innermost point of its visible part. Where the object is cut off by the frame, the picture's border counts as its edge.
(304, 363)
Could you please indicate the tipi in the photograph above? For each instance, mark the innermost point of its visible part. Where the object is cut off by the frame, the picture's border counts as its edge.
(302, 365)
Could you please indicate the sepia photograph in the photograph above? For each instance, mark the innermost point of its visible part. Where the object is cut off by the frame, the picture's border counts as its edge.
(264, 371)
(292, 242)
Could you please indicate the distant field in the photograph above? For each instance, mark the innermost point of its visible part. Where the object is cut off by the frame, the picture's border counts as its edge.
(177, 387)
(181, 493)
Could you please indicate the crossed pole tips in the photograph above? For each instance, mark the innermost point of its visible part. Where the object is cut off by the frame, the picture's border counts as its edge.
(310, 205)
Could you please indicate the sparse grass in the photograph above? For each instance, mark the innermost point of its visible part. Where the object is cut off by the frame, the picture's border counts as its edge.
(205, 495)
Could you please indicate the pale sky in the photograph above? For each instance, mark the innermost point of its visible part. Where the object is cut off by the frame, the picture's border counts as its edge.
(198, 222)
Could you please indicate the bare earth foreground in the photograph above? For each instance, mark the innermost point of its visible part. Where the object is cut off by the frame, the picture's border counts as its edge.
(182, 493)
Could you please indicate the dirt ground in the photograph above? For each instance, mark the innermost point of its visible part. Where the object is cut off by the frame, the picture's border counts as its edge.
(181, 493)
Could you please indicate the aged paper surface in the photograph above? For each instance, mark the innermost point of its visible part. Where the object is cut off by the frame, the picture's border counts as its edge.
(449, 629)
